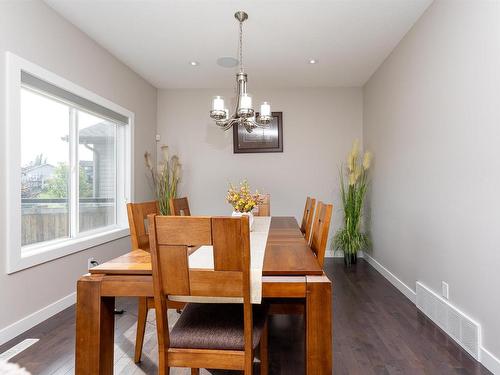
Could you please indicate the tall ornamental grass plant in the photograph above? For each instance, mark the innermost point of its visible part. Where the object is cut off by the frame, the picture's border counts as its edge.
(165, 178)
(353, 184)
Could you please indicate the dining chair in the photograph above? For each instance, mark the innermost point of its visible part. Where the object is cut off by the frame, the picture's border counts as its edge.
(321, 228)
(139, 237)
(307, 218)
(291, 306)
(264, 207)
(207, 335)
(179, 207)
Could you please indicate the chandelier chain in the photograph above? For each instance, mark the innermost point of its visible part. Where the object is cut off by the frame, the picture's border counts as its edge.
(241, 46)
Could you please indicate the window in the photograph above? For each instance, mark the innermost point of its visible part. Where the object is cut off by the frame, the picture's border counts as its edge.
(50, 130)
(72, 152)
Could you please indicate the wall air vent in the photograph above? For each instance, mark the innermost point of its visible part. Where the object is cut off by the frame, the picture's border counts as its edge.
(456, 324)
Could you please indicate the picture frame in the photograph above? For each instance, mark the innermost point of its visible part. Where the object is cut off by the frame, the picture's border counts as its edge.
(261, 139)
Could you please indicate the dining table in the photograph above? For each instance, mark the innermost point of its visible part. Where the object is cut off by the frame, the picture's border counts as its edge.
(290, 273)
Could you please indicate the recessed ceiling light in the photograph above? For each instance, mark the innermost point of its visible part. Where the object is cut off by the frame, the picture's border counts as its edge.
(313, 61)
(194, 63)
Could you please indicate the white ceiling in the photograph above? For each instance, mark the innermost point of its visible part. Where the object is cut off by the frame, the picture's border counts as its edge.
(158, 38)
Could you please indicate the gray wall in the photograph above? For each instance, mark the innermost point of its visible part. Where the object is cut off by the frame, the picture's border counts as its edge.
(35, 32)
(432, 119)
(319, 126)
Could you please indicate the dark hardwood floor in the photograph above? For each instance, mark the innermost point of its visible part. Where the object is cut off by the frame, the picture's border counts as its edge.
(376, 331)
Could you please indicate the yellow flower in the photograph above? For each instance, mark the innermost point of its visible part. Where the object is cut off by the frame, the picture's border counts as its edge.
(367, 160)
(241, 198)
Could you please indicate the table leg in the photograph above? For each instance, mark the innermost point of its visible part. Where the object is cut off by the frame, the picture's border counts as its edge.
(95, 325)
(319, 354)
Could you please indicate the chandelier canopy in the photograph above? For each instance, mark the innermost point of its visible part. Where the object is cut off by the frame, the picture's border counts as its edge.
(244, 113)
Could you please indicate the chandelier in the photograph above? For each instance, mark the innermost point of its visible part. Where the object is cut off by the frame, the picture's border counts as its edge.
(243, 114)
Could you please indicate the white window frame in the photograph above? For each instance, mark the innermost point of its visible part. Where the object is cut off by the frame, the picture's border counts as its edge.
(46, 251)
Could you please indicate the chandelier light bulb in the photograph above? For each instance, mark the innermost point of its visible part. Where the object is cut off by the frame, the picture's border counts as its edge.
(245, 101)
(218, 103)
(265, 109)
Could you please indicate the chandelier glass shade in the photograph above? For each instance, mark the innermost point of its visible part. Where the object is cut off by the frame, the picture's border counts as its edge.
(244, 113)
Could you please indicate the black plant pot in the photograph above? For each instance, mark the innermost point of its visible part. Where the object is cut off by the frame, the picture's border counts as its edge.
(350, 259)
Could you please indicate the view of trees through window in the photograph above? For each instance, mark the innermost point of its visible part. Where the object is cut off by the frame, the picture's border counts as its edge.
(56, 139)
(56, 186)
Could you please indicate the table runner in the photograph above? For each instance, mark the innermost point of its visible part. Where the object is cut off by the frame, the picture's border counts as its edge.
(203, 258)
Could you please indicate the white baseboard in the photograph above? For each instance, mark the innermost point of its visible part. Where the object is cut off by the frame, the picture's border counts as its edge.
(489, 361)
(22, 325)
(393, 279)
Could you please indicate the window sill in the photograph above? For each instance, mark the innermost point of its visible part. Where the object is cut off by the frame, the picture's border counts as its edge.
(34, 255)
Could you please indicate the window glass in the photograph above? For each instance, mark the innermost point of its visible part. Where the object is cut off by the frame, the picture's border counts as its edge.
(44, 168)
(97, 166)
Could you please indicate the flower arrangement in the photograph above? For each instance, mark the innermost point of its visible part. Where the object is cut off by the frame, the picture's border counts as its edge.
(241, 198)
(165, 178)
(350, 239)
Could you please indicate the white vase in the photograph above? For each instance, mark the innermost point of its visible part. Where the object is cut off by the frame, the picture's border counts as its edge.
(249, 214)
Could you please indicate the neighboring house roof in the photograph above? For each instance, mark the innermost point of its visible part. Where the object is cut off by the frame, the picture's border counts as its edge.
(35, 168)
(98, 133)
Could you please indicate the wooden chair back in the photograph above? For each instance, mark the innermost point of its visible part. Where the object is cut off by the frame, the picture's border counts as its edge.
(179, 207)
(137, 221)
(170, 237)
(264, 207)
(307, 218)
(320, 230)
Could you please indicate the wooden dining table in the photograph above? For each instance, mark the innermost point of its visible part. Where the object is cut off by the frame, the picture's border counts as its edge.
(291, 272)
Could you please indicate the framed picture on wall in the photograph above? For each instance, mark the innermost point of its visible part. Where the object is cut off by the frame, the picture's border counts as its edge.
(260, 140)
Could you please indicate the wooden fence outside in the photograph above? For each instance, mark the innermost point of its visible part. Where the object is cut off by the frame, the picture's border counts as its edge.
(45, 220)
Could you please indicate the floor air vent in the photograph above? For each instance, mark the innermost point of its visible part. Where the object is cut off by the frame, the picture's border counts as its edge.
(456, 324)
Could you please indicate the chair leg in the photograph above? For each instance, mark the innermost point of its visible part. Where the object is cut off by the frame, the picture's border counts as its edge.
(264, 352)
(195, 371)
(142, 315)
(163, 368)
(248, 367)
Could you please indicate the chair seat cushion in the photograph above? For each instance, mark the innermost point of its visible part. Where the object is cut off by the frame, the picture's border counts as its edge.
(215, 326)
